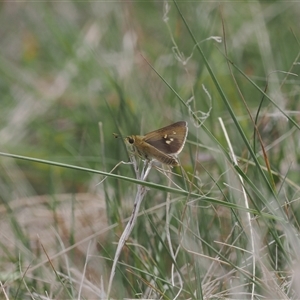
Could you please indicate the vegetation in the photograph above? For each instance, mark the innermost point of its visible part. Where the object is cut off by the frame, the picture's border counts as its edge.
(223, 225)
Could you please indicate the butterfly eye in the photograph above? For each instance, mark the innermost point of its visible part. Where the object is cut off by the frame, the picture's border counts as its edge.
(130, 140)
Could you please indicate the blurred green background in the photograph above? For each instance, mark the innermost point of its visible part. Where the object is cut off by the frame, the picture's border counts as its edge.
(66, 66)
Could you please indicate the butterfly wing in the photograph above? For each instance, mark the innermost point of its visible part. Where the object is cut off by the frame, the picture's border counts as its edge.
(169, 139)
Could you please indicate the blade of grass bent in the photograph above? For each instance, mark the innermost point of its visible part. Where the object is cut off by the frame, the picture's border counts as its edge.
(144, 183)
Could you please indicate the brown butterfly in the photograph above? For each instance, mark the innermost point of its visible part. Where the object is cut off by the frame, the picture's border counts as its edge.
(163, 144)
